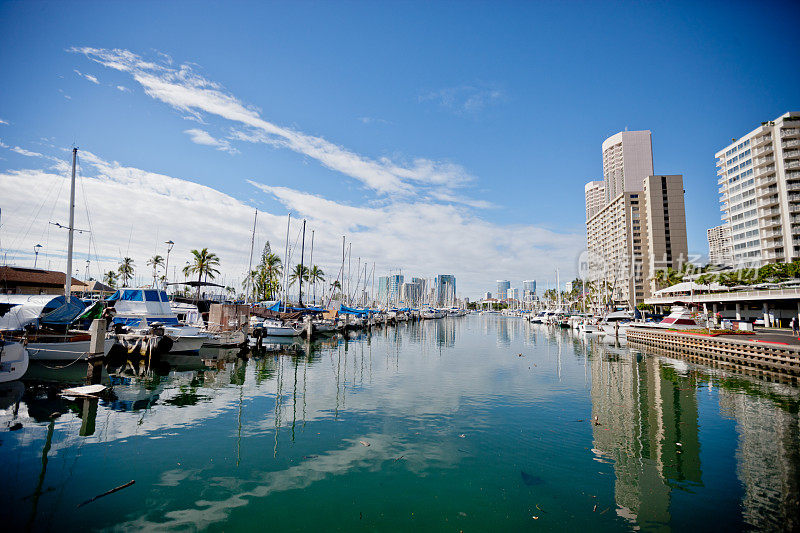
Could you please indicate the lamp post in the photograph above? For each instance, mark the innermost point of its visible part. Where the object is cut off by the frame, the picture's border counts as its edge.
(36, 254)
(169, 244)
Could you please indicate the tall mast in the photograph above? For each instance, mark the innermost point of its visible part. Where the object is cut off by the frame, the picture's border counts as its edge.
(286, 263)
(249, 280)
(68, 281)
(300, 277)
(341, 289)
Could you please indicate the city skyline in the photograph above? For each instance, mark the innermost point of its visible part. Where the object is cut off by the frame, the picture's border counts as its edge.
(191, 134)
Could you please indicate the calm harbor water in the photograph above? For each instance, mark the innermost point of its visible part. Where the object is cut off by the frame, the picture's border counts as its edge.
(476, 423)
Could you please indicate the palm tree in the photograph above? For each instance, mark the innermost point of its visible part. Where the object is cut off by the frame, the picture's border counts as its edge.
(315, 275)
(336, 286)
(125, 270)
(204, 264)
(110, 279)
(155, 262)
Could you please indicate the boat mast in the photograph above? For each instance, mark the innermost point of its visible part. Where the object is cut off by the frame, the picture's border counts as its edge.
(249, 279)
(286, 263)
(300, 277)
(310, 266)
(68, 281)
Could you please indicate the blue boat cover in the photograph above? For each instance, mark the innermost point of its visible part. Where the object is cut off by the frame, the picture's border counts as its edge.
(60, 313)
(352, 311)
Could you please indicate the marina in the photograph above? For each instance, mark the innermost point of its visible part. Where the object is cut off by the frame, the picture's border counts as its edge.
(475, 422)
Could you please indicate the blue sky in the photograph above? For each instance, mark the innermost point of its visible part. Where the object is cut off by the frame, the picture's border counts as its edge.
(477, 123)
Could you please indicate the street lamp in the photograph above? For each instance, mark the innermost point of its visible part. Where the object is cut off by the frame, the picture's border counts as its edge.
(169, 244)
(36, 252)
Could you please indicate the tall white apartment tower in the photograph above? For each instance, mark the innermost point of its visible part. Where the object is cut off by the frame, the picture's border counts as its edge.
(719, 245)
(759, 179)
(595, 193)
(627, 160)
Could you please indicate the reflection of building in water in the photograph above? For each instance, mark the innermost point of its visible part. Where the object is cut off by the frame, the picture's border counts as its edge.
(445, 331)
(768, 461)
(644, 410)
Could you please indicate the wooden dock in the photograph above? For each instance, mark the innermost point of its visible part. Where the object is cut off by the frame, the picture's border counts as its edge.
(761, 357)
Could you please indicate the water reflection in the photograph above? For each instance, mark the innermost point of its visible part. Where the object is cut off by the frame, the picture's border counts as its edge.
(436, 418)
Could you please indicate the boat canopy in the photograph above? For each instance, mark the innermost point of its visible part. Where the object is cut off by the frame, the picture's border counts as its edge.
(352, 311)
(133, 305)
(20, 310)
(270, 305)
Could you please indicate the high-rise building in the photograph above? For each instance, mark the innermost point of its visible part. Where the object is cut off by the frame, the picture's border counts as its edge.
(395, 283)
(759, 179)
(636, 234)
(502, 287)
(719, 245)
(423, 287)
(487, 295)
(445, 285)
(595, 193)
(411, 293)
(627, 160)
(529, 285)
(383, 289)
(512, 294)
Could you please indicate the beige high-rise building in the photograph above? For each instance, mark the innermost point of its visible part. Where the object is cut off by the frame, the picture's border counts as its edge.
(719, 245)
(627, 160)
(635, 235)
(759, 178)
(595, 194)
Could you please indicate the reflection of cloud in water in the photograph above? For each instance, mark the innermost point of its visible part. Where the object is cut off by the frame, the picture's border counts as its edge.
(355, 456)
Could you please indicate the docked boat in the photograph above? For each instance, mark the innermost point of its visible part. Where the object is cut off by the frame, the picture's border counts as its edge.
(43, 322)
(270, 327)
(616, 323)
(680, 318)
(430, 312)
(13, 360)
(140, 309)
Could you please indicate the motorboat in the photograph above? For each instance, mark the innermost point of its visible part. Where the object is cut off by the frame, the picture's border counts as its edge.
(616, 323)
(140, 309)
(13, 360)
(43, 321)
(680, 318)
(430, 312)
(271, 327)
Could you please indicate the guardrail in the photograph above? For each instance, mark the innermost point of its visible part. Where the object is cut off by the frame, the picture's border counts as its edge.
(733, 296)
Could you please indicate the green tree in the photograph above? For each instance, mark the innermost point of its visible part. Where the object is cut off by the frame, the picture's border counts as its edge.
(125, 270)
(315, 275)
(204, 264)
(155, 263)
(336, 287)
(110, 279)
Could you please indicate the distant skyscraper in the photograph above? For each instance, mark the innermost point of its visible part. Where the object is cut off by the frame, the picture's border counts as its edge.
(512, 294)
(487, 295)
(595, 193)
(411, 293)
(719, 245)
(423, 287)
(627, 160)
(445, 285)
(529, 285)
(502, 288)
(383, 288)
(395, 284)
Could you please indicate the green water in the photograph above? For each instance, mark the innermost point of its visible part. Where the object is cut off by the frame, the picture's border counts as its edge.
(480, 423)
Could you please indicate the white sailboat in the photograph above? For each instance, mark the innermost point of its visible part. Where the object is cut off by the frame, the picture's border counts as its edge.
(13, 360)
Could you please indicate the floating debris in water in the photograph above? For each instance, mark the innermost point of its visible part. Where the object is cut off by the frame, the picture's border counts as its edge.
(364, 443)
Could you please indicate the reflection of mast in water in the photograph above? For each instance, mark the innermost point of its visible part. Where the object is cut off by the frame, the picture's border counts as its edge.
(305, 369)
(278, 394)
(38, 492)
(294, 398)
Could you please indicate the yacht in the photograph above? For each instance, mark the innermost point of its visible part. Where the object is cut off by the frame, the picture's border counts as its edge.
(139, 309)
(616, 323)
(680, 318)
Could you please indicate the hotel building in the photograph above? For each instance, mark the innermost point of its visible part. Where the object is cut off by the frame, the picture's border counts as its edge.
(641, 228)
(719, 245)
(759, 179)
(595, 193)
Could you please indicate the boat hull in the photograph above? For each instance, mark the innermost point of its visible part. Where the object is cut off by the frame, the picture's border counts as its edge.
(13, 361)
(64, 351)
(187, 343)
(226, 338)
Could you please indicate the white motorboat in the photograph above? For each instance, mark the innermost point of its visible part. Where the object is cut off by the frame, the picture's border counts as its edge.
(680, 318)
(13, 360)
(277, 328)
(430, 312)
(588, 328)
(616, 323)
(139, 309)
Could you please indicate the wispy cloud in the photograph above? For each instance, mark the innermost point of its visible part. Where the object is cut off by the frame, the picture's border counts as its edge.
(464, 99)
(372, 120)
(5, 122)
(199, 136)
(123, 89)
(188, 92)
(23, 151)
(87, 76)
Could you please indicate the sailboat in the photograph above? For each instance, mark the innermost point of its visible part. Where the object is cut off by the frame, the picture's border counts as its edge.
(13, 360)
(43, 320)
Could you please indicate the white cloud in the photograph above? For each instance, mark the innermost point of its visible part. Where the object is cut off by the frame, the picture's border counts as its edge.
(87, 76)
(199, 136)
(190, 93)
(123, 89)
(133, 211)
(3, 122)
(28, 153)
(465, 99)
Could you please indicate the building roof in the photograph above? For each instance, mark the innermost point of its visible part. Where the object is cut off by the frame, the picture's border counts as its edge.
(11, 275)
